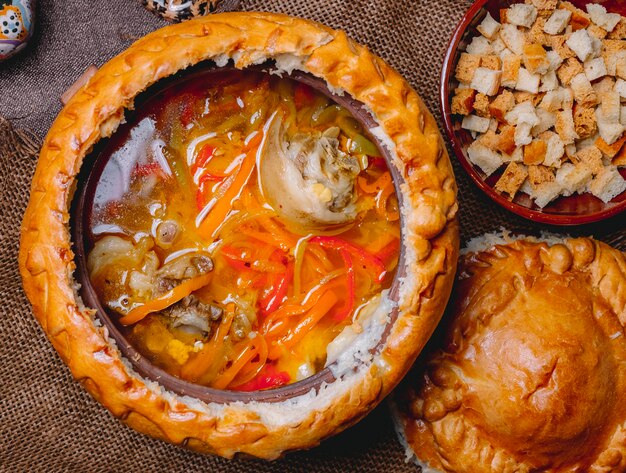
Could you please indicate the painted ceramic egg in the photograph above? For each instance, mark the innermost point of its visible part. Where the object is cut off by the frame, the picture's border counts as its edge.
(17, 22)
(179, 10)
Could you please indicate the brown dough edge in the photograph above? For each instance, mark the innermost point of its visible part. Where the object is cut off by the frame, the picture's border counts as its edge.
(46, 259)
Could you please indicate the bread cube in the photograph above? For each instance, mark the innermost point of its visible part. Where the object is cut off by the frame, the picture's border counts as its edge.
(546, 121)
(610, 151)
(555, 149)
(503, 103)
(479, 46)
(570, 68)
(489, 27)
(528, 82)
(489, 140)
(579, 19)
(554, 60)
(564, 126)
(604, 85)
(620, 30)
(583, 92)
(599, 15)
(521, 15)
(463, 101)
(535, 59)
(549, 82)
(582, 44)
(595, 69)
(557, 22)
(590, 157)
(613, 53)
(544, 4)
(487, 160)
(512, 179)
(513, 38)
(559, 46)
(610, 132)
(475, 123)
(597, 32)
(486, 81)
(622, 117)
(555, 100)
(535, 34)
(517, 156)
(610, 107)
(523, 134)
(620, 88)
(573, 178)
(481, 106)
(620, 158)
(585, 123)
(510, 70)
(538, 174)
(523, 113)
(535, 152)
(466, 67)
(492, 62)
(607, 184)
(506, 141)
(498, 47)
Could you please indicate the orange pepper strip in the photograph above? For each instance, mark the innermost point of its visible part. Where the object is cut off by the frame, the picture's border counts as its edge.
(245, 355)
(216, 216)
(179, 292)
(255, 367)
(325, 304)
(381, 204)
(375, 186)
(203, 360)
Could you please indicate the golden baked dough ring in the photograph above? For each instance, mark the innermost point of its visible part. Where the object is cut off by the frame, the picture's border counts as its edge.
(532, 373)
(430, 233)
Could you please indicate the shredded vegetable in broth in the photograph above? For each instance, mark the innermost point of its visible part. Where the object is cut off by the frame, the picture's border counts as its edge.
(239, 227)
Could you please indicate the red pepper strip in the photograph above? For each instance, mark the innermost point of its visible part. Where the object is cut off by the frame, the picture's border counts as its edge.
(366, 258)
(274, 299)
(377, 162)
(234, 258)
(348, 307)
(269, 377)
(204, 155)
(388, 251)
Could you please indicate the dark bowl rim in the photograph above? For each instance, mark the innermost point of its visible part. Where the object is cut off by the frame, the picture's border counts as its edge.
(449, 65)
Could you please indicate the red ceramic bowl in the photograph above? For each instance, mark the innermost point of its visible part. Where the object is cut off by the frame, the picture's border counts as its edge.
(573, 210)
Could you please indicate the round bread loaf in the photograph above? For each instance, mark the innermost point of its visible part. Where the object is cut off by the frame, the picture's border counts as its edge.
(529, 374)
(373, 361)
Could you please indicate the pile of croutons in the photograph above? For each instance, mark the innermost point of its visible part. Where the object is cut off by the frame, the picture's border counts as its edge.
(541, 92)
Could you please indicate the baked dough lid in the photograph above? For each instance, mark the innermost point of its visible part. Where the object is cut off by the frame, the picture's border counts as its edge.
(530, 370)
(430, 234)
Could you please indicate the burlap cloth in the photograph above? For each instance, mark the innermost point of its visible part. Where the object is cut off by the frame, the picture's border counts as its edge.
(48, 422)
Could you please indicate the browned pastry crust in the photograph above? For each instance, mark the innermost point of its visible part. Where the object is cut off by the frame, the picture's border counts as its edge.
(531, 376)
(430, 233)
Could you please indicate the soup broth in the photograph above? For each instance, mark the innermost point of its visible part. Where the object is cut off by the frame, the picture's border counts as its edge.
(241, 222)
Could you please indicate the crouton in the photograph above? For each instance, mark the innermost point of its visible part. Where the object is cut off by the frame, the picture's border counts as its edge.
(596, 32)
(613, 53)
(620, 30)
(585, 123)
(489, 27)
(583, 92)
(523, 134)
(535, 152)
(564, 126)
(466, 67)
(512, 179)
(573, 178)
(582, 44)
(544, 4)
(620, 64)
(546, 193)
(523, 113)
(595, 69)
(604, 85)
(536, 34)
(599, 15)
(555, 100)
(546, 121)
(517, 156)
(559, 46)
(487, 160)
(498, 47)
(557, 22)
(535, 59)
(620, 88)
(610, 107)
(579, 19)
(549, 82)
(506, 140)
(463, 101)
(570, 68)
(555, 149)
(475, 123)
(513, 38)
(481, 106)
(521, 15)
(503, 103)
(486, 81)
(479, 46)
(610, 151)
(527, 82)
(554, 59)
(610, 132)
(538, 174)
(607, 184)
(590, 157)
(620, 158)
(489, 140)
(521, 96)
(492, 62)
(510, 70)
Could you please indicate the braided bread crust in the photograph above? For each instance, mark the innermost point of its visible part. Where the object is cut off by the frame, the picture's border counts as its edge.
(430, 233)
(531, 372)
